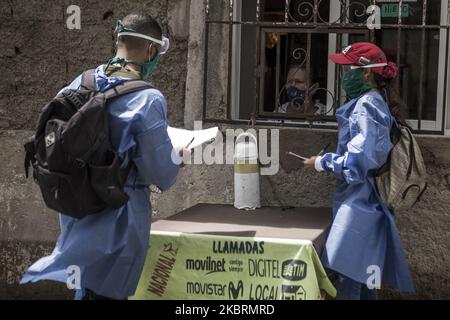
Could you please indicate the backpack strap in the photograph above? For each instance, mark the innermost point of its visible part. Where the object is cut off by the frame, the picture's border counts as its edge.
(126, 87)
(88, 80)
(88, 83)
(30, 152)
(125, 172)
(395, 134)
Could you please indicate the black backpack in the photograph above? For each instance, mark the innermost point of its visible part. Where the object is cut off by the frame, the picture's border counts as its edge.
(73, 160)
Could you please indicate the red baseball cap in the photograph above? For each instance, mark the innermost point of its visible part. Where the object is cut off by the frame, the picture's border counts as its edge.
(366, 54)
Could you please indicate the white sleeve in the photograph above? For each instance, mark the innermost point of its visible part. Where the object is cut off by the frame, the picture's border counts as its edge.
(318, 165)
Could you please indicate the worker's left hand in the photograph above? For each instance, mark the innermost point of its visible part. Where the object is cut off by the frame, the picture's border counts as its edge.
(185, 155)
(310, 163)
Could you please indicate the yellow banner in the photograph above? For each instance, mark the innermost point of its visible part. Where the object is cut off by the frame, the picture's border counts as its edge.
(206, 267)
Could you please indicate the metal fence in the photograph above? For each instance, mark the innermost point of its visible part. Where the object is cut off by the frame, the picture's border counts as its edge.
(315, 17)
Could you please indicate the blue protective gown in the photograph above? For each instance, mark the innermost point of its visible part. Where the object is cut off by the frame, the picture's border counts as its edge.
(363, 232)
(110, 247)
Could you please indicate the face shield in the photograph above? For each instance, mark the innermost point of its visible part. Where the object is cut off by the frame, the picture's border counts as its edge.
(147, 67)
(121, 30)
(345, 68)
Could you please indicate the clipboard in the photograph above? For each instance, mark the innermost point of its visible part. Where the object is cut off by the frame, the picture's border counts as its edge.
(190, 139)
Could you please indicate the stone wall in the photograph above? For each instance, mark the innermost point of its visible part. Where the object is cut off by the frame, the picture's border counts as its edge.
(40, 55)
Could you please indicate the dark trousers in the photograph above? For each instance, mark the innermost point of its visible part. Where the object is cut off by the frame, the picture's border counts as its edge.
(91, 295)
(349, 289)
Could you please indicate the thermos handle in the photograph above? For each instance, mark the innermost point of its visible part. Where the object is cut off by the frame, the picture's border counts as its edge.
(246, 134)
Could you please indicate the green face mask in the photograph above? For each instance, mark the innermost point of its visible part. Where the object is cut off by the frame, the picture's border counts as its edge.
(354, 84)
(147, 68)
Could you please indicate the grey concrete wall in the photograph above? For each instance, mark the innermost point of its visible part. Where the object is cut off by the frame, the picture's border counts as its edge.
(27, 229)
(218, 61)
(195, 61)
(40, 55)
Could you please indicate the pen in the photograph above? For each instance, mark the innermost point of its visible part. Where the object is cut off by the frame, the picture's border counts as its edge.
(187, 147)
(297, 156)
(321, 153)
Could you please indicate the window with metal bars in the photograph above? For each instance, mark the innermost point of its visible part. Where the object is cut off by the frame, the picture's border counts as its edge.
(257, 49)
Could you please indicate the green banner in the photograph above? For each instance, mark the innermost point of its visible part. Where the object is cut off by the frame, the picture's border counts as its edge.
(208, 267)
(390, 10)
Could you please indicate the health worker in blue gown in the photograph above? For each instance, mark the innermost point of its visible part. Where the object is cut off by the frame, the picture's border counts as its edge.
(363, 247)
(109, 249)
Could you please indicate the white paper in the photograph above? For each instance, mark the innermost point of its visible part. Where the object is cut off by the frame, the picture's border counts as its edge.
(181, 138)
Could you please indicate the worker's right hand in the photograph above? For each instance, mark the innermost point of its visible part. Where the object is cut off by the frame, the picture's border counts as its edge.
(310, 163)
